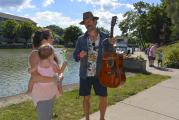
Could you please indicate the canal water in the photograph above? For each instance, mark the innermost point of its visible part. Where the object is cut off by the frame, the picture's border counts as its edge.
(14, 76)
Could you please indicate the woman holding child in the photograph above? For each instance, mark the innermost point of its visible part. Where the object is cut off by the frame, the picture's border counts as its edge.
(44, 84)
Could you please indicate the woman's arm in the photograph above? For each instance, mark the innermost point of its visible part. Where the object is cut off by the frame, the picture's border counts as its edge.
(35, 76)
(64, 65)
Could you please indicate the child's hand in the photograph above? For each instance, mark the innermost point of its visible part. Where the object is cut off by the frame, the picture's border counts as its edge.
(61, 77)
(29, 70)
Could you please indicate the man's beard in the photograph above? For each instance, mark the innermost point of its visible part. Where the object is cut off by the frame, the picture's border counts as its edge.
(90, 28)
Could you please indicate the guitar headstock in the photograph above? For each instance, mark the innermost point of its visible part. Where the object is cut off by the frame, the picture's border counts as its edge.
(113, 21)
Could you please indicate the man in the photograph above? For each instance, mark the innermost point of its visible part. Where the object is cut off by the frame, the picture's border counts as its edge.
(88, 51)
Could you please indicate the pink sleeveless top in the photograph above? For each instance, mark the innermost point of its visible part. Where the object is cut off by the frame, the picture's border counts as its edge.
(44, 91)
(152, 51)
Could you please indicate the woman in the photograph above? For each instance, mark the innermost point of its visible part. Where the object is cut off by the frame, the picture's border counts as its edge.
(44, 107)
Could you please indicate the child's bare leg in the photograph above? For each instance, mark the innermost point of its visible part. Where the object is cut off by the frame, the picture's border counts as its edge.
(30, 86)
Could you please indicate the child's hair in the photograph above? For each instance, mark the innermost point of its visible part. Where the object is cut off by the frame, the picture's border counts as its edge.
(45, 51)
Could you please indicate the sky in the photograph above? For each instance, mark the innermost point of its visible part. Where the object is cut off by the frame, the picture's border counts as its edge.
(69, 12)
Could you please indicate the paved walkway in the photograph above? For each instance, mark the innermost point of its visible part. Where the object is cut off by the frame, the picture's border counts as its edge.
(160, 102)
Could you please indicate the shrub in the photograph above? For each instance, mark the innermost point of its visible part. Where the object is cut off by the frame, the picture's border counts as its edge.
(172, 59)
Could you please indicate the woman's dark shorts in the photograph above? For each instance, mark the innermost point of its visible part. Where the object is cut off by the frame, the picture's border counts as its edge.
(86, 84)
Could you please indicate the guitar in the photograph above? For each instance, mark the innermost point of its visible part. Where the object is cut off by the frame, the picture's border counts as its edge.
(111, 73)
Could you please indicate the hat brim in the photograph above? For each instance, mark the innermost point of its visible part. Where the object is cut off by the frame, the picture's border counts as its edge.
(82, 22)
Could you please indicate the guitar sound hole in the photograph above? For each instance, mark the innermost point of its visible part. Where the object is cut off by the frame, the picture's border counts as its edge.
(111, 63)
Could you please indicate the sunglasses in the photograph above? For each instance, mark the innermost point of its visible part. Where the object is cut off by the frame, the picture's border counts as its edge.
(94, 46)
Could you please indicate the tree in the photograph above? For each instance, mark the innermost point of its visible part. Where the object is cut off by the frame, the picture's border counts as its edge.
(71, 34)
(57, 32)
(172, 9)
(135, 22)
(103, 30)
(56, 29)
(159, 26)
(9, 30)
(26, 30)
(129, 24)
(146, 23)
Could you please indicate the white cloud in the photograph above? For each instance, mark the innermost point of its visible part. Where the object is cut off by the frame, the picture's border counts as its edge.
(16, 4)
(51, 17)
(48, 2)
(105, 20)
(26, 4)
(105, 4)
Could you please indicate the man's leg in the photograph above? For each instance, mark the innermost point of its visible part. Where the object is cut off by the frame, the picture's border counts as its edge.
(86, 106)
(85, 88)
(102, 106)
(101, 91)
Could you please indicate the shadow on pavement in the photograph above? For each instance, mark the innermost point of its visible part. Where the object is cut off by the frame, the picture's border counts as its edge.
(163, 69)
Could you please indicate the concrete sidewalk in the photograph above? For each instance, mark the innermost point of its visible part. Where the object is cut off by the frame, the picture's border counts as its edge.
(160, 102)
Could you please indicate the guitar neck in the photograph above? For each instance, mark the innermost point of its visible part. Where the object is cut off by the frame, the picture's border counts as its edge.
(111, 32)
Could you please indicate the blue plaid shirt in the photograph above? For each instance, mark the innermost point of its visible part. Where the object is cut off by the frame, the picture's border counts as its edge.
(82, 45)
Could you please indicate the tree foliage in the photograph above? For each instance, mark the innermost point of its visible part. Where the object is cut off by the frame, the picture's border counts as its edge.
(9, 29)
(26, 30)
(146, 23)
(172, 9)
(103, 30)
(71, 34)
(56, 29)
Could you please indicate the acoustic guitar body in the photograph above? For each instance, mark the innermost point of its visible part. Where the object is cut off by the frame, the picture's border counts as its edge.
(111, 74)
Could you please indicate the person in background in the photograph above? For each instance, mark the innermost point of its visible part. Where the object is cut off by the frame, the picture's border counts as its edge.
(147, 52)
(152, 55)
(160, 58)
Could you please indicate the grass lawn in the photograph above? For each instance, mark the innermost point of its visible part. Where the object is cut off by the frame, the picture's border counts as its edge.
(69, 106)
